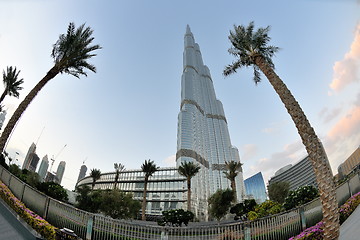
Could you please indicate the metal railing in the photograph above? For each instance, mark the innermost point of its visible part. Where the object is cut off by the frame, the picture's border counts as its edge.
(95, 226)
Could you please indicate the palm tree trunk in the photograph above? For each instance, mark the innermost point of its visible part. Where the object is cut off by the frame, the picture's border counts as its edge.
(314, 148)
(23, 105)
(116, 179)
(189, 194)
(233, 187)
(3, 95)
(143, 217)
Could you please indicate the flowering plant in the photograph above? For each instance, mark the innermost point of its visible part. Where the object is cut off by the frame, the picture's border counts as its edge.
(311, 233)
(316, 232)
(349, 207)
(34, 220)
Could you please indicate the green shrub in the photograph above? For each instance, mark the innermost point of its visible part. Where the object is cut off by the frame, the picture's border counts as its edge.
(300, 196)
(266, 208)
(176, 217)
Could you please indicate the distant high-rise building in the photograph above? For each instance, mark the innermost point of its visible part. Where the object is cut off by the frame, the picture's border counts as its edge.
(51, 177)
(43, 168)
(82, 172)
(203, 136)
(34, 160)
(27, 159)
(255, 187)
(60, 171)
(2, 118)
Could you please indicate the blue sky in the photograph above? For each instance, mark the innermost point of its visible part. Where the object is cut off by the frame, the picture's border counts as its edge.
(127, 111)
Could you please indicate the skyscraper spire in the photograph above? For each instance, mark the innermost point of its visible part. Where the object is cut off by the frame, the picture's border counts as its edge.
(203, 136)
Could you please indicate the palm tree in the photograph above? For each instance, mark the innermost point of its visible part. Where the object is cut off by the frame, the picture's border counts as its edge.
(232, 170)
(252, 49)
(70, 53)
(95, 174)
(188, 170)
(11, 83)
(149, 168)
(118, 169)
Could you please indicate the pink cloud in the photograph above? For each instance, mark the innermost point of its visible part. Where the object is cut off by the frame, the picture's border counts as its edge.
(347, 126)
(170, 161)
(346, 71)
(291, 154)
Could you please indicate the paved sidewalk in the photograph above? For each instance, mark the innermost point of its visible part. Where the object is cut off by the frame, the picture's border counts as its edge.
(11, 227)
(350, 229)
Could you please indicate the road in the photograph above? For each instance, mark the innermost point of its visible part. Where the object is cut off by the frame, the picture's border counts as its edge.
(11, 227)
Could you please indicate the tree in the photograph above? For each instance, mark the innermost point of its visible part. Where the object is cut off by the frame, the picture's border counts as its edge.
(300, 196)
(71, 53)
(278, 191)
(220, 203)
(32, 178)
(119, 205)
(118, 169)
(242, 209)
(14, 169)
(265, 209)
(88, 200)
(252, 49)
(149, 168)
(11, 83)
(53, 190)
(188, 170)
(232, 170)
(95, 174)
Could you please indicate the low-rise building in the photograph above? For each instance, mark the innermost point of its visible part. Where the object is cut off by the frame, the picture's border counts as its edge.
(166, 188)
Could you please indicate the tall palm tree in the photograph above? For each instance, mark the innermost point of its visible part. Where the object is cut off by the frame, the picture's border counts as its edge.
(118, 169)
(71, 53)
(95, 174)
(11, 83)
(149, 168)
(188, 170)
(232, 170)
(252, 49)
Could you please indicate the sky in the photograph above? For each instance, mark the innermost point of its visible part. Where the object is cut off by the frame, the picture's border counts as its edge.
(127, 111)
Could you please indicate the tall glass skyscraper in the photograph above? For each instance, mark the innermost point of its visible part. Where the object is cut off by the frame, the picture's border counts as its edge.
(255, 187)
(43, 168)
(203, 135)
(60, 171)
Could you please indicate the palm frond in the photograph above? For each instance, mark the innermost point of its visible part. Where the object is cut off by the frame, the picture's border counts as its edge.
(11, 81)
(73, 49)
(247, 45)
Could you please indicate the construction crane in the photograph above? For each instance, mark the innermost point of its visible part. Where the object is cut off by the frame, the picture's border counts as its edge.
(85, 160)
(54, 158)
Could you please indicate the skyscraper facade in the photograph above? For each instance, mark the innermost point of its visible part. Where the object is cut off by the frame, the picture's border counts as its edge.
(255, 188)
(203, 135)
(34, 160)
(27, 159)
(60, 171)
(43, 168)
(82, 172)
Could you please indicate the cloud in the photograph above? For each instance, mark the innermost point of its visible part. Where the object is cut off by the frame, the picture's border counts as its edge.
(170, 161)
(346, 126)
(328, 115)
(346, 71)
(249, 151)
(291, 154)
(344, 137)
